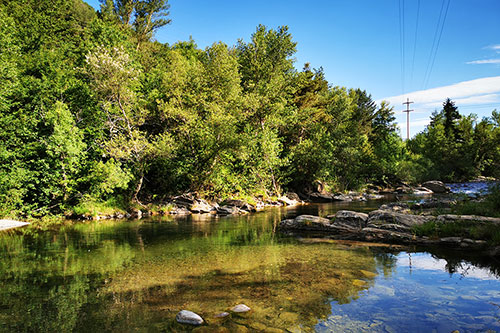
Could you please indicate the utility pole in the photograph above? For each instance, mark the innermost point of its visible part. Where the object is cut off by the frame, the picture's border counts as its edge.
(407, 117)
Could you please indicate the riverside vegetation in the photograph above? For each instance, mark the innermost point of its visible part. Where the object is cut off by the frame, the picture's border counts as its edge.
(97, 116)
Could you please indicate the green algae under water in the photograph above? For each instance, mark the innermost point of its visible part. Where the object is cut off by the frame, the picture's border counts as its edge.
(136, 275)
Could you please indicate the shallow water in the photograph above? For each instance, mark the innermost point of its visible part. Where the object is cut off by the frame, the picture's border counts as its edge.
(136, 275)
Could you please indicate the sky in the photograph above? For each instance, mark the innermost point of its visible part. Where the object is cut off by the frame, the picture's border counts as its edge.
(424, 50)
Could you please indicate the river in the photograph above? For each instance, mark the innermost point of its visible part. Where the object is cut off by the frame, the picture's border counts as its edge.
(135, 275)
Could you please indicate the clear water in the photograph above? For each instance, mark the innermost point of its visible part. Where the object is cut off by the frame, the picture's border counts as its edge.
(123, 276)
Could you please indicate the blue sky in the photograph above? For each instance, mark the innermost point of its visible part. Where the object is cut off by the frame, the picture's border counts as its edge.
(358, 44)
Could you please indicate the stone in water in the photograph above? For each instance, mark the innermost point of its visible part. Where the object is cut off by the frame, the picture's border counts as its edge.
(188, 317)
(240, 308)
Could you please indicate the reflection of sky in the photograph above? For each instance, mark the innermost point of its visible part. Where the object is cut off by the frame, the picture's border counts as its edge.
(421, 298)
(423, 261)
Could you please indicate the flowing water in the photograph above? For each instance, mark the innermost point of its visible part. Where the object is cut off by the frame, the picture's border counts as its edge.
(124, 276)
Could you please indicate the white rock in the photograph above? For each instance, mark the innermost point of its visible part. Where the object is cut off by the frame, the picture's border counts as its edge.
(188, 317)
(240, 308)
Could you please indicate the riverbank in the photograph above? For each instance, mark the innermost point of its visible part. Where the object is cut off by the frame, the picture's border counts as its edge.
(432, 222)
(192, 203)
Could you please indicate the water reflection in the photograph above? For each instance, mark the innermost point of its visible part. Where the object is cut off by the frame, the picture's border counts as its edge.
(135, 275)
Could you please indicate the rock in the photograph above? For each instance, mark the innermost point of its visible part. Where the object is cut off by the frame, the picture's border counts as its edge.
(241, 205)
(451, 240)
(201, 206)
(450, 218)
(293, 196)
(404, 190)
(351, 219)
(185, 200)
(10, 224)
(180, 211)
(306, 222)
(401, 207)
(422, 191)
(287, 201)
(135, 213)
(188, 317)
(240, 308)
(227, 210)
(378, 217)
(373, 196)
(320, 197)
(368, 274)
(381, 235)
(435, 203)
(258, 326)
(436, 186)
(342, 197)
(222, 315)
(210, 329)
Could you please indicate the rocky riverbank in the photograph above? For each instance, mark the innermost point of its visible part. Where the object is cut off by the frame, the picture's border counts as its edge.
(191, 203)
(401, 224)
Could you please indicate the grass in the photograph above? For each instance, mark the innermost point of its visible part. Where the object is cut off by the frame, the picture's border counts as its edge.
(91, 207)
(489, 206)
(465, 229)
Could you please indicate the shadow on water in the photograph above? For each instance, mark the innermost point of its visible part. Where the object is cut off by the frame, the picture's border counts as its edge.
(136, 275)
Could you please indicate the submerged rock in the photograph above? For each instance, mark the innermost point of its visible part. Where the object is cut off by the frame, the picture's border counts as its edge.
(222, 315)
(240, 308)
(188, 317)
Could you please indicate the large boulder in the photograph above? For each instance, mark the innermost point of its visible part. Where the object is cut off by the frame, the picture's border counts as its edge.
(380, 217)
(350, 219)
(436, 186)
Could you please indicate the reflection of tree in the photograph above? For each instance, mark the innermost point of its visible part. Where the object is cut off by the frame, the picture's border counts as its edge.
(385, 261)
(47, 279)
(462, 261)
(95, 276)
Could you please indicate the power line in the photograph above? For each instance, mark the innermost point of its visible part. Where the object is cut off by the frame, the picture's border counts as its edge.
(415, 43)
(437, 46)
(401, 45)
(433, 42)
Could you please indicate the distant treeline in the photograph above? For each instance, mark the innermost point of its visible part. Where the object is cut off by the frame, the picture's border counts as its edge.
(92, 109)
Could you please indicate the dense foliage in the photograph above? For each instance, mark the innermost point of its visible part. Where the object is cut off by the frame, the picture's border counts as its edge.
(455, 147)
(93, 110)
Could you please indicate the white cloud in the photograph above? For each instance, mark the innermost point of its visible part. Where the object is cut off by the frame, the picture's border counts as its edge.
(483, 86)
(482, 62)
(472, 100)
(494, 47)
(482, 95)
